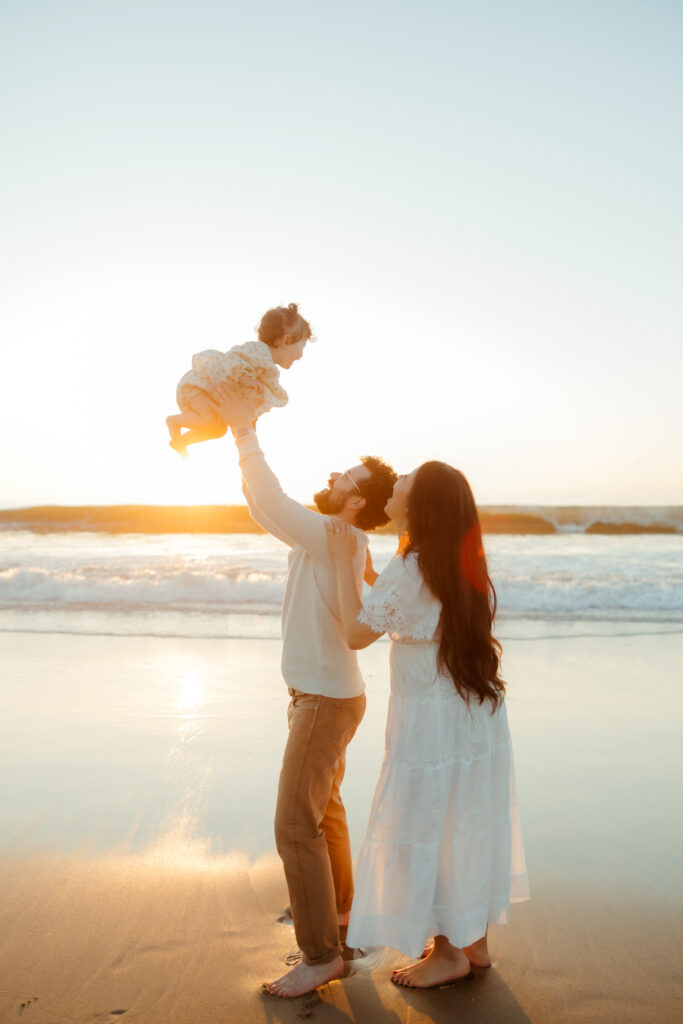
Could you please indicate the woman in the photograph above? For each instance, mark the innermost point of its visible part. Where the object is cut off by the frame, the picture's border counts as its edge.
(443, 851)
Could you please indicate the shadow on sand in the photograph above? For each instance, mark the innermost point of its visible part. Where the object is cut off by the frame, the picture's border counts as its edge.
(370, 998)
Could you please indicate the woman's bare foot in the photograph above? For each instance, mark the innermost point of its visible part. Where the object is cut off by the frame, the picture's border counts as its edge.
(478, 953)
(304, 978)
(444, 965)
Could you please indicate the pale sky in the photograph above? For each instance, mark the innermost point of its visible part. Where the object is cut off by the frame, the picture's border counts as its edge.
(477, 205)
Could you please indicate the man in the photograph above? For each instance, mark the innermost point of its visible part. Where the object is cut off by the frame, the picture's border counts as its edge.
(326, 690)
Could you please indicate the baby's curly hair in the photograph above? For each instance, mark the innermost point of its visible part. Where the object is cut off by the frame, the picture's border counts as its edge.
(283, 320)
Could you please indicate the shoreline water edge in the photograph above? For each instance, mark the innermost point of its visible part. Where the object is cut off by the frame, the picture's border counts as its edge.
(232, 584)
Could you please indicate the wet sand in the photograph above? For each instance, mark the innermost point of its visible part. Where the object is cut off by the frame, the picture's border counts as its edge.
(137, 870)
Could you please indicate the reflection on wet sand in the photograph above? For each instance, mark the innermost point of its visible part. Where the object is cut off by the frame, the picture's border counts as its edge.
(138, 873)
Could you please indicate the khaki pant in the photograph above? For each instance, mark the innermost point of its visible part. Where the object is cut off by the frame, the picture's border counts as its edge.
(311, 833)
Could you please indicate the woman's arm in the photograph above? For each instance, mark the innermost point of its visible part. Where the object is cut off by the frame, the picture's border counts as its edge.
(343, 546)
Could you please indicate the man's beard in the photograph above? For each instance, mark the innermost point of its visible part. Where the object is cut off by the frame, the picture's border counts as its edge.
(328, 505)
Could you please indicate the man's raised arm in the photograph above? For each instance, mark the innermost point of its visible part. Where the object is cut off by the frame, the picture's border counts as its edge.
(259, 517)
(295, 521)
(289, 517)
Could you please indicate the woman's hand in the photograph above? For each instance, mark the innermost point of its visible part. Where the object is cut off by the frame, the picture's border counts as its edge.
(341, 539)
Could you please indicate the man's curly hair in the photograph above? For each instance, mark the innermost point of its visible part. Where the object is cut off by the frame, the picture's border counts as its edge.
(376, 491)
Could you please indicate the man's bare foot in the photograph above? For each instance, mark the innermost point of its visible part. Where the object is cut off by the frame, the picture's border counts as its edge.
(178, 446)
(443, 966)
(478, 953)
(304, 978)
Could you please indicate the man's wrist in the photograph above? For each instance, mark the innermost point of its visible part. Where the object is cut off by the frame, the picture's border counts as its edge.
(242, 430)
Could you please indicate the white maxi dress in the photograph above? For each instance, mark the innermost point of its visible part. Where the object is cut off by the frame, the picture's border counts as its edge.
(443, 851)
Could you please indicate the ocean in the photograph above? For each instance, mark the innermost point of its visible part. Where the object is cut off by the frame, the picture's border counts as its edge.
(77, 571)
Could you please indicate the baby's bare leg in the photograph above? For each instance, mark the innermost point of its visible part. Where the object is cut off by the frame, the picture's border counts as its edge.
(175, 424)
(206, 433)
(203, 422)
(184, 419)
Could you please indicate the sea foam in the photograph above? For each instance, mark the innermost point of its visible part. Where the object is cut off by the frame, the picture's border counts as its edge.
(558, 576)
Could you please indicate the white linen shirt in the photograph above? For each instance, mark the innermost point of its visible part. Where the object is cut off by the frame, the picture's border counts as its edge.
(315, 655)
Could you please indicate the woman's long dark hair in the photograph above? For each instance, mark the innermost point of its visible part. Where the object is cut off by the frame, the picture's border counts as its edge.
(444, 532)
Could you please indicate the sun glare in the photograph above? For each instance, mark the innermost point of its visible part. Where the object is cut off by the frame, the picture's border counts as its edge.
(190, 693)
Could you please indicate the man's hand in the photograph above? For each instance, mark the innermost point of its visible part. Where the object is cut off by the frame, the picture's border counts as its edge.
(238, 404)
(341, 539)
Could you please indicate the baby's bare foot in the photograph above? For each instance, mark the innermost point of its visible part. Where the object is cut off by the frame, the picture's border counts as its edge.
(178, 446)
(305, 978)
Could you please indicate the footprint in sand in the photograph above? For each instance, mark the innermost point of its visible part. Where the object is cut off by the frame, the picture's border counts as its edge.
(108, 1018)
(131, 956)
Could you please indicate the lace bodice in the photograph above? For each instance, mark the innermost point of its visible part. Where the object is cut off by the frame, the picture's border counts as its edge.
(401, 604)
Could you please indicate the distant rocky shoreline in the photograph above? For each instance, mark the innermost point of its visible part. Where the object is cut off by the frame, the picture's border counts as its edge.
(160, 519)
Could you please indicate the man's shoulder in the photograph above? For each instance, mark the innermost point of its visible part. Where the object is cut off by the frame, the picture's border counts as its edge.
(362, 537)
(326, 556)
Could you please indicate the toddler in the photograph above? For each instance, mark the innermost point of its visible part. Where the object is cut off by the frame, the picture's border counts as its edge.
(282, 334)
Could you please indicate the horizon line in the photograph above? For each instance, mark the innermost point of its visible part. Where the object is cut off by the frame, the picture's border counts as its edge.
(242, 505)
